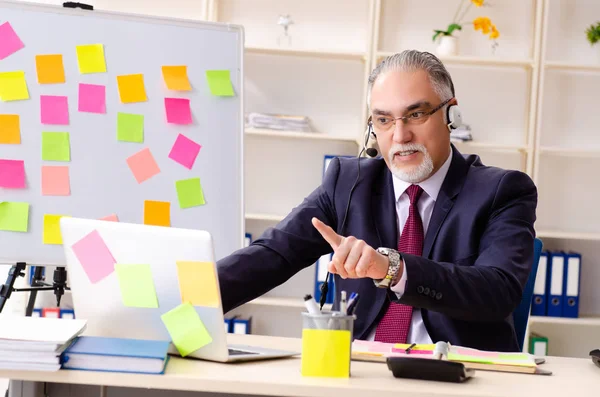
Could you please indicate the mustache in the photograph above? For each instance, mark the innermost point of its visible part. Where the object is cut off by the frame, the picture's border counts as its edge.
(407, 147)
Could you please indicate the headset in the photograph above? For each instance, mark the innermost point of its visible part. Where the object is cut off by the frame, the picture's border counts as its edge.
(454, 121)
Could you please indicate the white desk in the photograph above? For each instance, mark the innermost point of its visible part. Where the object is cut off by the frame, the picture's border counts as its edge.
(282, 377)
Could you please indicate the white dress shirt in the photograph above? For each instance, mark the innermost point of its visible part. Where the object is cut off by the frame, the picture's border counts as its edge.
(431, 188)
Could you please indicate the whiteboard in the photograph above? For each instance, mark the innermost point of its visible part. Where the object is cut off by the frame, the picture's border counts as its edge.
(100, 179)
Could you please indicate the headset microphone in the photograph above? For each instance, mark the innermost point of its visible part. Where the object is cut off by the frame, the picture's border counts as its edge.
(372, 152)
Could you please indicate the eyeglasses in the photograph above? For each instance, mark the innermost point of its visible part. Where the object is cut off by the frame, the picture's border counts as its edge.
(416, 117)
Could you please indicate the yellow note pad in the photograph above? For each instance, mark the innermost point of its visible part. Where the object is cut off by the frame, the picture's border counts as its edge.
(187, 330)
(131, 88)
(326, 353)
(157, 213)
(137, 285)
(50, 69)
(14, 216)
(10, 129)
(176, 78)
(52, 229)
(219, 82)
(90, 58)
(198, 283)
(13, 86)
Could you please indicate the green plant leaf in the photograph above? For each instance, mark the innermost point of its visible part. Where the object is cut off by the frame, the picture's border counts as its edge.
(593, 33)
(438, 32)
(452, 27)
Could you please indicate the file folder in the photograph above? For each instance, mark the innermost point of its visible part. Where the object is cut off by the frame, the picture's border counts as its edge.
(572, 281)
(36, 313)
(321, 274)
(67, 313)
(241, 326)
(247, 239)
(52, 312)
(555, 290)
(538, 345)
(539, 304)
(228, 325)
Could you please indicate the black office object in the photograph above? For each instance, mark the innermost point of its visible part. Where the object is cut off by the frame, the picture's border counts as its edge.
(595, 355)
(73, 4)
(428, 369)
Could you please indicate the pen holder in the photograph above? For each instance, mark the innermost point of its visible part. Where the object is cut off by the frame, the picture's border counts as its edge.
(326, 344)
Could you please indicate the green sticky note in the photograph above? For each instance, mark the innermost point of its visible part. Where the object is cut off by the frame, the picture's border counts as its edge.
(14, 217)
(189, 193)
(130, 127)
(219, 82)
(137, 286)
(55, 146)
(187, 330)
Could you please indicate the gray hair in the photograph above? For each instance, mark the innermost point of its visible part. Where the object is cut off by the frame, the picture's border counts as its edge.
(413, 60)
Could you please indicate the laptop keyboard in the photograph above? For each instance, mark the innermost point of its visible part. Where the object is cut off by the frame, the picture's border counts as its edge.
(234, 352)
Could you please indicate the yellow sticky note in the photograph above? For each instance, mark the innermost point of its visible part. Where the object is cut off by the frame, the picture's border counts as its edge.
(157, 213)
(90, 58)
(326, 353)
(187, 330)
(13, 86)
(198, 283)
(131, 88)
(10, 129)
(176, 78)
(52, 233)
(50, 69)
(137, 285)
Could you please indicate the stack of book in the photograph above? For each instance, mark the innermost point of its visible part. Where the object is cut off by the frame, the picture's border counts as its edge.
(278, 122)
(36, 344)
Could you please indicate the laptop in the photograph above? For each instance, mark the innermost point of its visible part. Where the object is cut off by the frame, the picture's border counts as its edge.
(100, 302)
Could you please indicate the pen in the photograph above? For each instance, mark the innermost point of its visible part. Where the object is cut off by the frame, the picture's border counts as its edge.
(352, 305)
(409, 348)
(343, 304)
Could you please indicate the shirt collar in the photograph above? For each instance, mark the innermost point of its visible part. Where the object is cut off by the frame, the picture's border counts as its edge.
(431, 185)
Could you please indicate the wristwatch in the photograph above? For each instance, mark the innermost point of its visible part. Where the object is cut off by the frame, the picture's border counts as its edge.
(394, 258)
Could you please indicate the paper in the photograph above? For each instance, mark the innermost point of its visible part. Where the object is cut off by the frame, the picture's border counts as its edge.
(187, 330)
(50, 69)
(131, 88)
(54, 109)
(49, 331)
(14, 216)
(52, 233)
(198, 283)
(130, 127)
(465, 354)
(326, 353)
(10, 129)
(90, 58)
(55, 180)
(94, 256)
(189, 193)
(12, 174)
(219, 82)
(176, 78)
(9, 41)
(92, 98)
(178, 111)
(142, 165)
(185, 151)
(110, 218)
(13, 86)
(157, 213)
(137, 286)
(55, 146)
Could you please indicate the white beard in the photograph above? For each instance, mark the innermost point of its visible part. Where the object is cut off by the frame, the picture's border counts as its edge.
(416, 173)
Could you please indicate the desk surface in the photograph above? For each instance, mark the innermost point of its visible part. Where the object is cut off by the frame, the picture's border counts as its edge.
(282, 377)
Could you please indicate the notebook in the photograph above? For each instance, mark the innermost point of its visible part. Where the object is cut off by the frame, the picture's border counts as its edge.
(38, 334)
(93, 353)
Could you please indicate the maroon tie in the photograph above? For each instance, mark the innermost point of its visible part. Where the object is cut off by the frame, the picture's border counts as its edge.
(394, 326)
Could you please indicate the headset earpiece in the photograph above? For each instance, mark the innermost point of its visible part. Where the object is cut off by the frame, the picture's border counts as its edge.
(454, 117)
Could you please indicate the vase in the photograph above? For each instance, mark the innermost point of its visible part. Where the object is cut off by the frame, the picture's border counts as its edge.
(447, 46)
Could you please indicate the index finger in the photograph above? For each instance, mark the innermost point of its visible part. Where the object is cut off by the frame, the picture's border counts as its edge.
(328, 233)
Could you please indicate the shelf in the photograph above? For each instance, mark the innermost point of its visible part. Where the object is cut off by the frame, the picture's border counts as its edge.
(299, 135)
(282, 302)
(476, 61)
(352, 56)
(568, 235)
(593, 321)
(490, 146)
(572, 66)
(569, 152)
(264, 217)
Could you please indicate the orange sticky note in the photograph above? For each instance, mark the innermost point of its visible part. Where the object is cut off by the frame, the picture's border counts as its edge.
(10, 129)
(198, 283)
(131, 88)
(50, 69)
(157, 213)
(176, 78)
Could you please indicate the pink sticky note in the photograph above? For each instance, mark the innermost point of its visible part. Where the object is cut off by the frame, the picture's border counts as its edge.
(92, 98)
(185, 151)
(178, 111)
(94, 256)
(111, 218)
(55, 180)
(9, 41)
(143, 165)
(12, 174)
(54, 109)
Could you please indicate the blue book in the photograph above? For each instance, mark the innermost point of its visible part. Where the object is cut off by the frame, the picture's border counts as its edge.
(92, 353)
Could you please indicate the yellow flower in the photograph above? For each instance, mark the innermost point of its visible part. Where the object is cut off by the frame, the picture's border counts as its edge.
(494, 34)
(478, 3)
(482, 23)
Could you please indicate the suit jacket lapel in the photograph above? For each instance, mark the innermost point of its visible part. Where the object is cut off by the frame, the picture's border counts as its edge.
(383, 208)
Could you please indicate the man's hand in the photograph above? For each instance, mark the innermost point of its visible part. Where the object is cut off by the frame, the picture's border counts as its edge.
(352, 258)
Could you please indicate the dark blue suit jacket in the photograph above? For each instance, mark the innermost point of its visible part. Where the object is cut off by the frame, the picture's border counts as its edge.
(477, 254)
